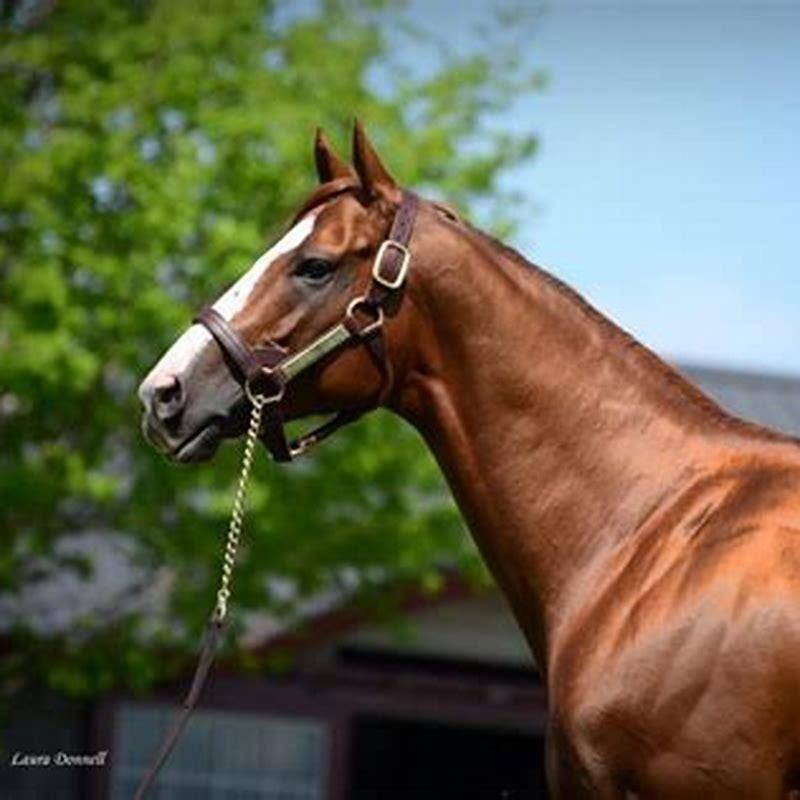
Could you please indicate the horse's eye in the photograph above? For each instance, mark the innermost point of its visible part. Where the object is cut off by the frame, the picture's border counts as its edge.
(314, 270)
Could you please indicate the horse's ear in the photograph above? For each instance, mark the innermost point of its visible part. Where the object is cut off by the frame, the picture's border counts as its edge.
(329, 165)
(375, 178)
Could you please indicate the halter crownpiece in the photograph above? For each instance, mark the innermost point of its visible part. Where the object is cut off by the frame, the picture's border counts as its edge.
(265, 371)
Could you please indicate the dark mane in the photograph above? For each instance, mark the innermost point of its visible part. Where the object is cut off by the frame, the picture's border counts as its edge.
(685, 390)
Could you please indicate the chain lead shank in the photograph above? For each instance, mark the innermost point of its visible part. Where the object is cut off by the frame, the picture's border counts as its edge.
(216, 623)
(237, 513)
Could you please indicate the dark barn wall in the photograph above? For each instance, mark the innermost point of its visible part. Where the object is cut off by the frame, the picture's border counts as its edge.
(396, 758)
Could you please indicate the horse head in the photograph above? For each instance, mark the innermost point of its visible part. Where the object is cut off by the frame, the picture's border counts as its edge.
(322, 276)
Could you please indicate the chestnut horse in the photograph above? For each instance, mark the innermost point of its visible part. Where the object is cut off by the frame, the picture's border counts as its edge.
(647, 541)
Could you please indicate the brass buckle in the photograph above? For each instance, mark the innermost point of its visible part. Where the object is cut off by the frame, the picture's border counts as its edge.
(370, 328)
(398, 280)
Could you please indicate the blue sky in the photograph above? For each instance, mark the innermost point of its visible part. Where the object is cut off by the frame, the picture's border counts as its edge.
(667, 187)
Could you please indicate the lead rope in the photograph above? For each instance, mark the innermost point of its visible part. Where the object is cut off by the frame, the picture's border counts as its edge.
(216, 622)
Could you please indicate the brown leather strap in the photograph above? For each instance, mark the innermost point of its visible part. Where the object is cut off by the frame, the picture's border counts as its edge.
(323, 431)
(231, 344)
(375, 343)
(403, 224)
(273, 434)
(210, 644)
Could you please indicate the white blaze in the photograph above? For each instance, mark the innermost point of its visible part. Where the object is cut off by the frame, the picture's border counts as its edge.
(178, 358)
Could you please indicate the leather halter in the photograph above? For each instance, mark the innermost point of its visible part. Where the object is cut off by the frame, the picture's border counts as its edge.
(266, 370)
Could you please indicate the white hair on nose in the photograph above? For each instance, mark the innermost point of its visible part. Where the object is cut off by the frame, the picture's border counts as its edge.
(188, 347)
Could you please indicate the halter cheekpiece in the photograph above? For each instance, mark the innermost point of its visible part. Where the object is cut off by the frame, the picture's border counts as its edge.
(266, 370)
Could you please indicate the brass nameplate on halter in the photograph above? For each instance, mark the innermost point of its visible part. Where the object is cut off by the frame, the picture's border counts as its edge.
(326, 343)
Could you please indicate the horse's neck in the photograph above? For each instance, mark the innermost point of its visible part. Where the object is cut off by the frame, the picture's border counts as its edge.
(556, 432)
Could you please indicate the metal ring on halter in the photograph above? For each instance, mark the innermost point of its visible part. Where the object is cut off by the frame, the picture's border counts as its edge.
(256, 397)
(372, 326)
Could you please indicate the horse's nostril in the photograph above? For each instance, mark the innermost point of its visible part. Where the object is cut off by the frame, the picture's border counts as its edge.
(168, 398)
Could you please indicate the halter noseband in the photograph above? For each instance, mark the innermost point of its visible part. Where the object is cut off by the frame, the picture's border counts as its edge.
(266, 370)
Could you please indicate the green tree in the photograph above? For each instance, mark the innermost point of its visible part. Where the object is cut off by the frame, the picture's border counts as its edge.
(150, 150)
